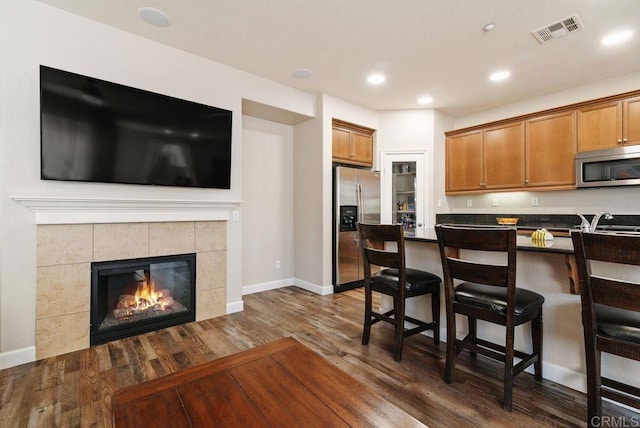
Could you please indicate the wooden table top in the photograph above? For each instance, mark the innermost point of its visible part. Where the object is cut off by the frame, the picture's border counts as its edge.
(282, 383)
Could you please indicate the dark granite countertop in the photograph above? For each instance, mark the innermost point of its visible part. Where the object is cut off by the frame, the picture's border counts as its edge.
(554, 223)
(560, 245)
(564, 222)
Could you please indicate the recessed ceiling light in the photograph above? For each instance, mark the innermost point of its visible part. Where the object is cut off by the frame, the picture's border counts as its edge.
(154, 17)
(376, 79)
(615, 38)
(425, 100)
(301, 73)
(499, 75)
(490, 26)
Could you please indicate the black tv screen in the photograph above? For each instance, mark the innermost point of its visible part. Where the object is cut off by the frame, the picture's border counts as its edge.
(98, 131)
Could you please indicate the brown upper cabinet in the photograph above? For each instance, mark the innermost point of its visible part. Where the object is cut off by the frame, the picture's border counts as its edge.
(537, 151)
(486, 159)
(464, 162)
(609, 124)
(504, 156)
(550, 150)
(352, 144)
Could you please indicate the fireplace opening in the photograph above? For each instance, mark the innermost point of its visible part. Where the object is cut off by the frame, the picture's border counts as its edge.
(130, 297)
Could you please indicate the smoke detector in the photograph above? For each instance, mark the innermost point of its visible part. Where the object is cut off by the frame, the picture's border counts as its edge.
(558, 29)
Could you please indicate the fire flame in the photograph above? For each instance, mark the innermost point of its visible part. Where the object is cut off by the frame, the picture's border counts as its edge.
(147, 297)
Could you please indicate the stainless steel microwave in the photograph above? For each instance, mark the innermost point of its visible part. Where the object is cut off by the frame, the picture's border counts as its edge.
(619, 166)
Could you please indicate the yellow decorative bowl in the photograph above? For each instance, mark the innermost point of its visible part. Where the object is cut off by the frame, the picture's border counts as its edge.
(507, 220)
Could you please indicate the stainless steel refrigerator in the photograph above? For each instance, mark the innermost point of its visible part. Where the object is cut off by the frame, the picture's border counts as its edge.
(356, 198)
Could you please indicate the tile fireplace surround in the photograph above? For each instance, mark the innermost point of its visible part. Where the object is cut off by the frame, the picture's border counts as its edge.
(65, 253)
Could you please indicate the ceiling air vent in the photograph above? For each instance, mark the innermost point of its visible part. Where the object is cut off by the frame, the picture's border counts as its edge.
(558, 29)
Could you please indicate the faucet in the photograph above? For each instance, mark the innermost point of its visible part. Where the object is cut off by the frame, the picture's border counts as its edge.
(585, 226)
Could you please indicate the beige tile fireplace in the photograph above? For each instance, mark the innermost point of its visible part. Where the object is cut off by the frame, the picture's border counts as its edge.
(65, 253)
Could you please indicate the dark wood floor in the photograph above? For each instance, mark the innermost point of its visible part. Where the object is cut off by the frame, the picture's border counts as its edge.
(75, 389)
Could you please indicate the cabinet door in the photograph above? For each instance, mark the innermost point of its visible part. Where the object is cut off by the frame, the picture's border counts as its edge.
(550, 145)
(362, 148)
(464, 162)
(631, 121)
(600, 126)
(504, 156)
(341, 144)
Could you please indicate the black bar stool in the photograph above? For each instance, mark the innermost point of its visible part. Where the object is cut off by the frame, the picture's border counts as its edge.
(610, 314)
(488, 293)
(397, 281)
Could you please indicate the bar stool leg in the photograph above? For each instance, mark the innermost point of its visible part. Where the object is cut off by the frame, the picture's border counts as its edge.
(450, 363)
(536, 340)
(473, 329)
(366, 331)
(399, 327)
(435, 311)
(594, 383)
(508, 369)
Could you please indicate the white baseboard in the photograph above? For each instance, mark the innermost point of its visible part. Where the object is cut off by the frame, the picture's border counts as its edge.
(234, 307)
(17, 357)
(563, 376)
(265, 286)
(287, 282)
(322, 290)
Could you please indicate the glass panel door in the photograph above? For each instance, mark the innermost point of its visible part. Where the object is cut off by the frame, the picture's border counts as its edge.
(403, 197)
(403, 192)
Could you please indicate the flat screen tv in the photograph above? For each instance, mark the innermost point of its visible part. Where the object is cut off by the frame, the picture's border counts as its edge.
(98, 131)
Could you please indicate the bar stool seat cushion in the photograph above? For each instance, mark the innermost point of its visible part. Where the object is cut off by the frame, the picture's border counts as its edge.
(618, 323)
(495, 298)
(418, 282)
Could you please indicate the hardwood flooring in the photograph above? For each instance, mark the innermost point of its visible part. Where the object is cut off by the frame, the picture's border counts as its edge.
(75, 389)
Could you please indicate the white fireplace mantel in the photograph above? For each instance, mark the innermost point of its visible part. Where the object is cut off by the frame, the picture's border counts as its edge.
(61, 210)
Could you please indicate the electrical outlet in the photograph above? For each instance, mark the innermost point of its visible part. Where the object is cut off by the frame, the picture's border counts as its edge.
(494, 203)
(534, 201)
(277, 264)
(469, 203)
(439, 203)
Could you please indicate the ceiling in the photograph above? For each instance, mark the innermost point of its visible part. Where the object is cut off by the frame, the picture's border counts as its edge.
(424, 47)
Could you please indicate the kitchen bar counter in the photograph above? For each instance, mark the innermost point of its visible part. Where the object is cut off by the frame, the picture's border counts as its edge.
(559, 245)
(545, 271)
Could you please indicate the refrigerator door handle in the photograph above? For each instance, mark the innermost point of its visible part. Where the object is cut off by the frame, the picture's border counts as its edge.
(360, 203)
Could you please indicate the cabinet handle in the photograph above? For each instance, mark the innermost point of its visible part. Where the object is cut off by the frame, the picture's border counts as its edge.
(624, 140)
(526, 181)
(619, 141)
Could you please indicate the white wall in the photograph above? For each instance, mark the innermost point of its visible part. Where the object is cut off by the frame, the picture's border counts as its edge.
(406, 130)
(33, 33)
(307, 201)
(267, 183)
(618, 200)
